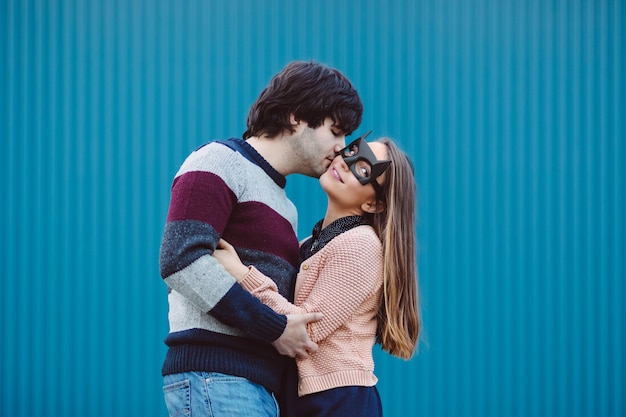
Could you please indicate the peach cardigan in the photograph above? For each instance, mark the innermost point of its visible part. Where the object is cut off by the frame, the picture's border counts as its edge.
(344, 282)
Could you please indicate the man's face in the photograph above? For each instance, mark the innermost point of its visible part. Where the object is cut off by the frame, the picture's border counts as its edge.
(315, 148)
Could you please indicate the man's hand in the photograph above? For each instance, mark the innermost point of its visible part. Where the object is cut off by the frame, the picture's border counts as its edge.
(295, 341)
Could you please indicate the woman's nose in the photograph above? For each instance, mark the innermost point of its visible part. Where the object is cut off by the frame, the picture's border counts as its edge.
(342, 164)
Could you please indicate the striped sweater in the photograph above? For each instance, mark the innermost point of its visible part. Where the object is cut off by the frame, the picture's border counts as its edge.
(226, 189)
(343, 280)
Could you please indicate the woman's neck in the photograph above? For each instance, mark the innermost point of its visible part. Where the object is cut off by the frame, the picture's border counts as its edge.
(334, 213)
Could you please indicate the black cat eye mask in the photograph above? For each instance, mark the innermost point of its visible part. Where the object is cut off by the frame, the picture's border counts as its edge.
(363, 163)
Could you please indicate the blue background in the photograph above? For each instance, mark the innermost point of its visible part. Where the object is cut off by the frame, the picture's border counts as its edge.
(512, 111)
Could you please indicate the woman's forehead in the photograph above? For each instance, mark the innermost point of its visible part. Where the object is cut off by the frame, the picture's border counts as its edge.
(379, 149)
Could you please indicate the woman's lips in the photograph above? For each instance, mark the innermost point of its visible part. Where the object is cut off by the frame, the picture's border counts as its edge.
(335, 174)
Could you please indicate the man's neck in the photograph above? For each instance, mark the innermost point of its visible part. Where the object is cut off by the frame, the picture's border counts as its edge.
(273, 150)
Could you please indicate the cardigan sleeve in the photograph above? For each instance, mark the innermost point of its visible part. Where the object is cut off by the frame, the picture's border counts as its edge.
(349, 272)
(265, 289)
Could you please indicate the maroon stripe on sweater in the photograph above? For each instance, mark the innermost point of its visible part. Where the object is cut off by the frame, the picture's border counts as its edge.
(205, 197)
(256, 226)
(202, 196)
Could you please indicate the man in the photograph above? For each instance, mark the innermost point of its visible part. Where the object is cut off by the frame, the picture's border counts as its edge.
(224, 346)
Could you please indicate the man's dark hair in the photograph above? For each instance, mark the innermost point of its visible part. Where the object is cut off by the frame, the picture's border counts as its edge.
(311, 92)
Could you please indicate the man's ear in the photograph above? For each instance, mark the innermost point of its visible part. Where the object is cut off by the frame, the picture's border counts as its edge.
(292, 119)
(373, 206)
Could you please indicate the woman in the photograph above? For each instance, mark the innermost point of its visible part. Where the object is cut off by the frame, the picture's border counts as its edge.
(359, 269)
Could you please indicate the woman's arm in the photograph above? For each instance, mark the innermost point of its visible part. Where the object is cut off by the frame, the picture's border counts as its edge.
(351, 272)
(253, 280)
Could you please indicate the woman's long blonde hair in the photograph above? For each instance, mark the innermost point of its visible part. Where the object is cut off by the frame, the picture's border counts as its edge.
(399, 318)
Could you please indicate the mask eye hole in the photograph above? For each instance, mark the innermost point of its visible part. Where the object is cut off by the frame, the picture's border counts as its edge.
(362, 169)
(351, 150)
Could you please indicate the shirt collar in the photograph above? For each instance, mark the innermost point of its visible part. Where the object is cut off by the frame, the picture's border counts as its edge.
(320, 237)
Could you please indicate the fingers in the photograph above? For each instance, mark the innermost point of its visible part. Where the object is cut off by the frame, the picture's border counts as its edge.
(311, 347)
(311, 317)
(308, 346)
(295, 341)
(305, 351)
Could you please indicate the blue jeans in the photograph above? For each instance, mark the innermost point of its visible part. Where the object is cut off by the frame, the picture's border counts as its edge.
(210, 394)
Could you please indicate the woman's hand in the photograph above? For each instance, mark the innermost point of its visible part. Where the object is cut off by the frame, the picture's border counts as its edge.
(226, 255)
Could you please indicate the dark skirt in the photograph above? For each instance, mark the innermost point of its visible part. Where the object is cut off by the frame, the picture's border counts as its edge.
(353, 401)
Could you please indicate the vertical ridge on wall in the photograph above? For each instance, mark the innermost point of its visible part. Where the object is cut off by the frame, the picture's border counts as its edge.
(8, 114)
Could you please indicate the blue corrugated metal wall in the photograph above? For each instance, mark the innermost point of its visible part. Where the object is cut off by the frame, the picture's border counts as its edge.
(513, 112)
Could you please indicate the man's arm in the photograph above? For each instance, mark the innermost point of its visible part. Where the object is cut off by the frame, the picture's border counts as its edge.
(200, 207)
(202, 200)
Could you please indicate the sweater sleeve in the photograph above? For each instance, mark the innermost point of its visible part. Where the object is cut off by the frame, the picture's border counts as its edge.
(348, 274)
(201, 204)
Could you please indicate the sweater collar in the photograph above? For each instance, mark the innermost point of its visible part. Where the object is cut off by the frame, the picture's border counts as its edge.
(245, 149)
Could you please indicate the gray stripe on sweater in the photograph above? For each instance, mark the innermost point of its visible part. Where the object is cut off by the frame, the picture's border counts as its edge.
(183, 315)
(200, 287)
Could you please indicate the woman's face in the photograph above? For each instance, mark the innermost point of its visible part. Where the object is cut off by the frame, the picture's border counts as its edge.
(344, 189)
